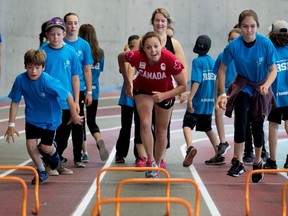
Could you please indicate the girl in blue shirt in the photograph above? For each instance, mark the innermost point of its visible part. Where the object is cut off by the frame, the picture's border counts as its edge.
(88, 33)
(254, 56)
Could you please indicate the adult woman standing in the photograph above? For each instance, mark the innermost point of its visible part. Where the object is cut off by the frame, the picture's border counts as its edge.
(153, 87)
(254, 56)
(161, 20)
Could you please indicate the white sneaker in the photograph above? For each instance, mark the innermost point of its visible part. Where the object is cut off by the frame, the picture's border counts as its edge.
(79, 164)
(104, 154)
(64, 171)
(50, 171)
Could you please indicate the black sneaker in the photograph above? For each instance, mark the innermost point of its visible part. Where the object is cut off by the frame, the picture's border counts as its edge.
(216, 161)
(286, 163)
(265, 155)
(248, 158)
(119, 159)
(233, 160)
(270, 164)
(259, 176)
(223, 148)
(236, 169)
(190, 154)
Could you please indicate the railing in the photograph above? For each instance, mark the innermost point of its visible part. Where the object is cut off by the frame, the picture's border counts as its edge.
(248, 177)
(24, 186)
(144, 200)
(164, 180)
(36, 192)
(97, 207)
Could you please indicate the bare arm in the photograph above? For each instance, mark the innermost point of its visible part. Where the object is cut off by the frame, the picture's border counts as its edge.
(179, 53)
(270, 79)
(75, 118)
(88, 82)
(127, 72)
(192, 93)
(11, 130)
(76, 91)
(222, 99)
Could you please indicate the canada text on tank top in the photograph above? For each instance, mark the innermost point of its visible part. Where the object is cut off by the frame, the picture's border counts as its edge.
(156, 75)
(152, 75)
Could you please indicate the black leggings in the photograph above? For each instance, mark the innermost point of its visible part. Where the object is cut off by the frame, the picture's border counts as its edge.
(241, 107)
(91, 112)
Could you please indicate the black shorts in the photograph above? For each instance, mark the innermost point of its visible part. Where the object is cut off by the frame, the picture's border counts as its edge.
(33, 132)
(165, 104)
(278, 114)
(201, 121)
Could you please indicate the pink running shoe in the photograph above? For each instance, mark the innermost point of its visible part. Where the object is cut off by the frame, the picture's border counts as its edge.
(141, 162)
(162, 164)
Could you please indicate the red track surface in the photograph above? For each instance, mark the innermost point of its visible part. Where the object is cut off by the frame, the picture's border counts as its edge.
(61, 195)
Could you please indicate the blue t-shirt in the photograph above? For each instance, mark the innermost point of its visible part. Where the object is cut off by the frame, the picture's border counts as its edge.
(41, 97)
(230, 72)
(84, 53)
(202, 72)
(62, 64)
(0, 38)
(96, 70)
(251, 63)
(280, 85)
(124, 100)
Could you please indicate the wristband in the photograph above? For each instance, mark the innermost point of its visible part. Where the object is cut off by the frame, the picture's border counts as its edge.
(89, 92)
(11, 124)
(223, 95)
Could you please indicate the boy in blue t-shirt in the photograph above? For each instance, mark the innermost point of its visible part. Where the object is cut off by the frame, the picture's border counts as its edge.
(279, 36)
(63, 64)
(200, 103)
(43, 113)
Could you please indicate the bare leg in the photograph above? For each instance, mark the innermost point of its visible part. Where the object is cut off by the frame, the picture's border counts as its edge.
(213, 139)
(273, 129)
(162, 118)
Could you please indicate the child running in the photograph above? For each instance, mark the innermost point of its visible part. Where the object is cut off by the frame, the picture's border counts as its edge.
(43, 113)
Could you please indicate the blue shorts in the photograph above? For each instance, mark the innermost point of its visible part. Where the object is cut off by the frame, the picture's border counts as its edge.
(33, 132)
(201, 121)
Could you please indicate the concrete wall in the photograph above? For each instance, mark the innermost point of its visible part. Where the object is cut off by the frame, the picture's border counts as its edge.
(115, 20)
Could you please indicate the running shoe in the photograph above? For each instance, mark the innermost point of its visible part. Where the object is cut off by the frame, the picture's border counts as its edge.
(85, 158)
(153, 173)
(286, 163)
(79, 164)
(63, 170)
(265, 155)
(259, 176)
(140, 162)
(51, 172)
(248, 158)
(104, 154)
(270, 164)
(119, 159)
(233, 160)
(190, 154)
(236, 169)
(216, 160)
(223, 148)
(43, 176)
(162, 164)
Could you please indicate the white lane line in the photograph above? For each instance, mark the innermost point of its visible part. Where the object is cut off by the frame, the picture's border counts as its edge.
(204, 192)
